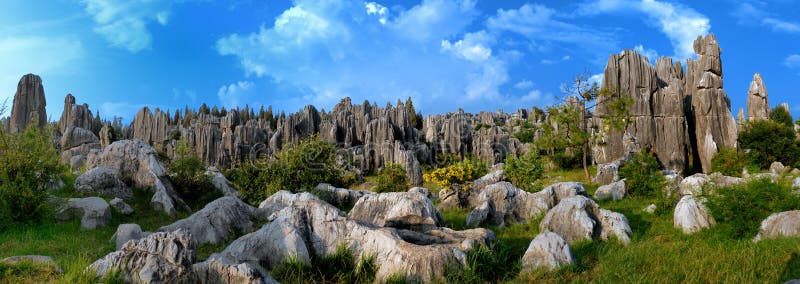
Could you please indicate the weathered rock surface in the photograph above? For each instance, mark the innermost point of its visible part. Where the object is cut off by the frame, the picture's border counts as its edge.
(217, 221)
(757, 99)
(342, 197)
(218, 269)
(693, 184)
(138, 161)
(503, 202)
(578, 217)
(29, 104)
(402, 210)
(548, 250)
(614, 191)
(777, 168)
(93, 211)
(691, 215)
(783, 224)
(74, 115)
(102, 181)
(127, 232)
(608, 172)
(221, 183)
(163, 257)
(303, 225)
(35, 259)
(121, 207)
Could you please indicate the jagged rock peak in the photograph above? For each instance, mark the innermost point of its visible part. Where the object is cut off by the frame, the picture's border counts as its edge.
(74, 115)
(757, 102)
(29, 102)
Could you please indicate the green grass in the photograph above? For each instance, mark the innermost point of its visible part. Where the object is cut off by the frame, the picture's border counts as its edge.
(73, 248)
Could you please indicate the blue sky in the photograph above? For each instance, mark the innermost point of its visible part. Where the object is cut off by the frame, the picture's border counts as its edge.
(119, 55)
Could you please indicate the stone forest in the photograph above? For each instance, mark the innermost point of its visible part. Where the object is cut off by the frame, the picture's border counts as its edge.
(646, 177)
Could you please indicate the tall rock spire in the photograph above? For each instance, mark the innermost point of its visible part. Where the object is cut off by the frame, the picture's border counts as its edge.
(757, 102)
(29, 102)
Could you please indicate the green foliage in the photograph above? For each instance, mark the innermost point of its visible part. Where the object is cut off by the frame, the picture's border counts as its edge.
(642, 176)
(527, 133)
(739, 209)
(187, 173)
(780, 115)
(567, 161)
(392, 178)
(296, 168)
(28, 163)
(487, 265)
(339, 267)
(730, 162)
(525, 170)
(769, 141)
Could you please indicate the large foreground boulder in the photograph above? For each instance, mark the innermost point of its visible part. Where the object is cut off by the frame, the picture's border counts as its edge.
(163, 257)
(93, 211)
(548, 250)
(303, 226)
(691, 215)
(502, 202)
(217, 221)
(402, 210)
(102, 181)
(579, 217)
(137, 161)
(783, 224)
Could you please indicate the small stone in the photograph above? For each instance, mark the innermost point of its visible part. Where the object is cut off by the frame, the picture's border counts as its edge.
(650, 208)
(121, 207)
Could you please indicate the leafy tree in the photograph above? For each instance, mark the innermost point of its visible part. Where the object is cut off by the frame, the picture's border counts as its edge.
(187, 173)
(415, 117)
(392, 178)
(525, 170)
(768, 141)
(28, 163)
(781, 115)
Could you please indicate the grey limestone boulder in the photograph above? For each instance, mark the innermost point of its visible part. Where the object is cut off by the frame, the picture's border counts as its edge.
(548, 250)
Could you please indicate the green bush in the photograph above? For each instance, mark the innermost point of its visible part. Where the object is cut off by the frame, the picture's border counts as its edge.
(642, 175)
(187, 173)
(739, 209)
(339, 267)
(28, 163)
(730, 162)
(780, 115)
(525, 170)
(296, 168)
(392, 178)
(568, 161)
(485, 264)
(769, 141)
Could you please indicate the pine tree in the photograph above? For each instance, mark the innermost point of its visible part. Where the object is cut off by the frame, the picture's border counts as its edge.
(204, 109)
(223, 112)
(215, 111)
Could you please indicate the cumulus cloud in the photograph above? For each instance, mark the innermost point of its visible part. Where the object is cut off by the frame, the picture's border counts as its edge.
(681, 24)
(523, 85)
(234, 94)
(325, 50)
(124, 23)
(378, 10)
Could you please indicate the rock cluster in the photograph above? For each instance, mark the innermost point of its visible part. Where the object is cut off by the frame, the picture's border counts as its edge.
(578, 217)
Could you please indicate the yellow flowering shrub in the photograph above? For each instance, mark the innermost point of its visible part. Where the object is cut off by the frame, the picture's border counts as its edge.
(462, 172)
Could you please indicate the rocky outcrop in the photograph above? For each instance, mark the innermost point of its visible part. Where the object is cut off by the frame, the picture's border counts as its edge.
(221, 183)
(578, 218)
(613, 191)
(217, 221)
(691, 215)
(163, 257)
(93, 211)
(303, 225)
(757, 100)
(783, 224)
(120, 206)
(74, 115)
(341, 197)
(402, 210)
(127, 232)
(138, 162)
(220, 269)
(503, 202)
(548, 250)
(714, 127)
(29, 104)
(104, 182)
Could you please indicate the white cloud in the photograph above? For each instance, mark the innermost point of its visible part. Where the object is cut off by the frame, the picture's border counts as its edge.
(597, 79)
(124, 23)
(531, 97)
(748, 14)
(377, 10)
(523, 85)
(179, 94)
(321, 51)
(539, 23)
(652, 55)
(233, 95)
(792, 61)
(681, 24)
(34, 54)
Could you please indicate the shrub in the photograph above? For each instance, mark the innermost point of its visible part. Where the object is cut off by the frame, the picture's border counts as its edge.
(28, 163)
(392, 178)
(642, 175)
(568, 161)
(729, 162)
(780, 115)
(769, 141)
(462, 172)
(296, 168)
(187, 173)
(525, 170)
(739, 209)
